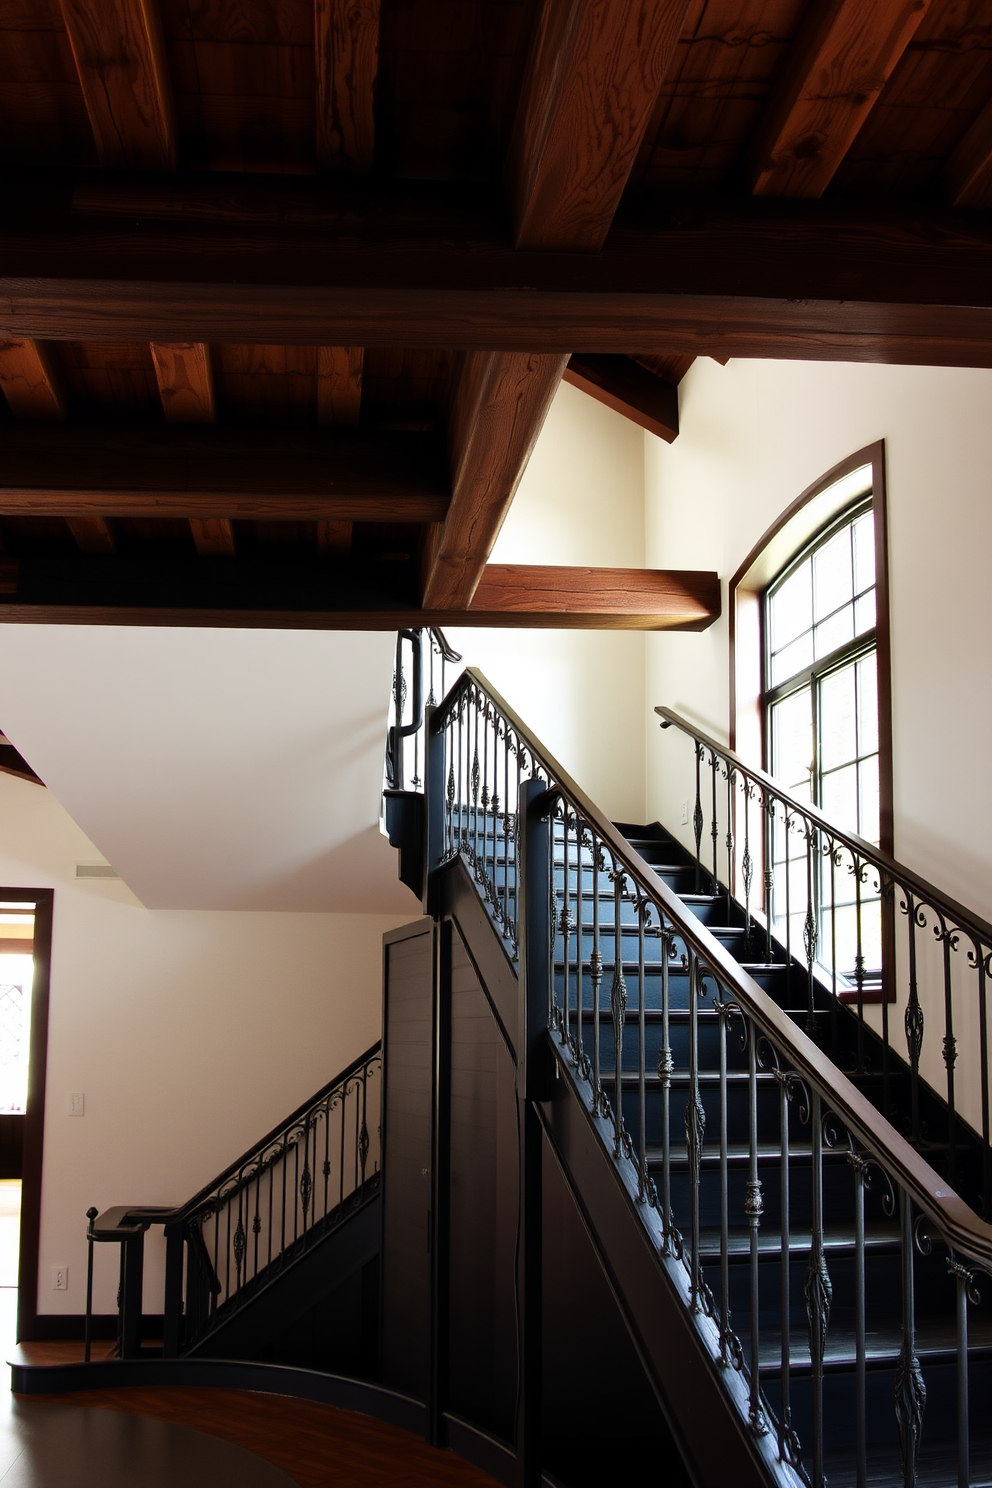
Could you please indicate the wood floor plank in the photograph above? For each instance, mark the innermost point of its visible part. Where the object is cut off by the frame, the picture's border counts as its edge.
(318, 1445)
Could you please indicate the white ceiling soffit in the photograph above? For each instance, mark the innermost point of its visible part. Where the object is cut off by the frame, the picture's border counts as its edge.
(215, 769)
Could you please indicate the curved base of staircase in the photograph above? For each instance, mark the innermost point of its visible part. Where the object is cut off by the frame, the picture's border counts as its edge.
(368, 1399)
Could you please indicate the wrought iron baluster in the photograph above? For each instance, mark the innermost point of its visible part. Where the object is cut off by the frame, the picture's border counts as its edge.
(643, 912)
(666, 1066)
(723, 1010)
(272, 1179)
(754, 1207)
(327, 1151)
(914, 1022)
(697, 816)
(563, 931)
(256, 1223)
(695, 1129)
(963, 1282)
(948, 941)
(768, 832)
(809, 930)
(476, 780)
(910, 1390)
(363, 1135)
(859, 1165)
(715, 826)
(595, 978)
(730, 838)
(788, 899)
(818, 1290)
(484, 798)
(579, 921)
(507, 931)
(747, 870)
(859, 966)
(983, 1040)
(341, 1106)
(788, 1442)
(618, 1009)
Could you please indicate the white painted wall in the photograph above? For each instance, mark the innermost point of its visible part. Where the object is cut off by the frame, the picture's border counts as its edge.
(191, 1033)
(753, 436)
(581, 501)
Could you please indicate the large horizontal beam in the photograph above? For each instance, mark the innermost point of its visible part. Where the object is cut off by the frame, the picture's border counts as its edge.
(207, 473)
(674, 599)
(320, 594)
(757, 278)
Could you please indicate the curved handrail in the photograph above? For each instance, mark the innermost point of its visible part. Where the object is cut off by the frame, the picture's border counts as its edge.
(970, 1234)
(856, 845)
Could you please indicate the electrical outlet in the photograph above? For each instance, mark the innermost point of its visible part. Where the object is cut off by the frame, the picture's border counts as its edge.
(75, 1103)
(60, 1278)
(685, 813)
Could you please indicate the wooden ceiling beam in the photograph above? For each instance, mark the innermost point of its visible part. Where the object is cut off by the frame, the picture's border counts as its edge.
(845, 53)
(30, 382)
(589, 87)
(186, 386)
(628, 388)
(967, 175)
(759, 278)
(346, 46)
(499, 405)
(591, 80)
(120, 58)
(209, 474)
(271, 593)
(675, 599)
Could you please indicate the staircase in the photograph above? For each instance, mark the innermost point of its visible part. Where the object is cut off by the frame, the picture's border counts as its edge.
(831, 1275)
(857, 1207)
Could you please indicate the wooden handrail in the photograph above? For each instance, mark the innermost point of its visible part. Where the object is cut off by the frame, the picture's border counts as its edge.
(963, 1228)
(925, 892)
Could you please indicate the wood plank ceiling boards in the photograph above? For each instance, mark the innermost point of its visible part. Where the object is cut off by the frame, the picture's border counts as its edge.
(286, 291)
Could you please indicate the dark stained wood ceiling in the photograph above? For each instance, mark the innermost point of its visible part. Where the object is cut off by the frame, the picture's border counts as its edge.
(250, 247)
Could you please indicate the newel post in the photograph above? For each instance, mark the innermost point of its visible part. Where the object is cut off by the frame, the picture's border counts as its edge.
(434, 806)
(533, 1065)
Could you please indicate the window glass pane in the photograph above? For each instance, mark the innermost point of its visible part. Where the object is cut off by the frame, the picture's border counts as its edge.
(832, 575)
(864, 613)
(867, 705)
(869, 798)
(836, 631)
(839, 797)
(793, 659)
(791, 608)
(864, 552)
(838, 735)
(792, 739)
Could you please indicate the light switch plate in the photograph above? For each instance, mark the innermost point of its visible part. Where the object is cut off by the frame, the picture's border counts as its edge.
(75, 1103)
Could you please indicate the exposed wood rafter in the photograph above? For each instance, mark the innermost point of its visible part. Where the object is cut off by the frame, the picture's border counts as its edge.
(30, 382)
(967, 175)
(92, 534)
(346, 37)
(592, 77)
(120, 59)
(499, 406)
(844, 55)
(627, 388)
(210, 474)
(186, 387)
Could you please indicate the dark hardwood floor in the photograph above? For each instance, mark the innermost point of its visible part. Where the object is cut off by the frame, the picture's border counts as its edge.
(318, 1446)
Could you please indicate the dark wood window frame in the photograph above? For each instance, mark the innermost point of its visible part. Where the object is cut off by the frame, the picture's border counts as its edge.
(798, 525)
(43, 901)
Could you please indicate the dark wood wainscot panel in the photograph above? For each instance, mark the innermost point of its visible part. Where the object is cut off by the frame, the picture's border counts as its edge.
(483, 1158)
(407, 1163)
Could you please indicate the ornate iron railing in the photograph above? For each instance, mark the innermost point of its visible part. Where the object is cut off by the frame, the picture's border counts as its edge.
(264, 1211)
(771, 1188)
(811, 889)
(412, 671)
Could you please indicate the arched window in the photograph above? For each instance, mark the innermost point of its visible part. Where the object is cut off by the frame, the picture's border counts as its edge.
(821, 720)
(810, 699)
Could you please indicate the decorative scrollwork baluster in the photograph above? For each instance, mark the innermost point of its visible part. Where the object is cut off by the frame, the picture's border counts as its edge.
(818, 1292)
